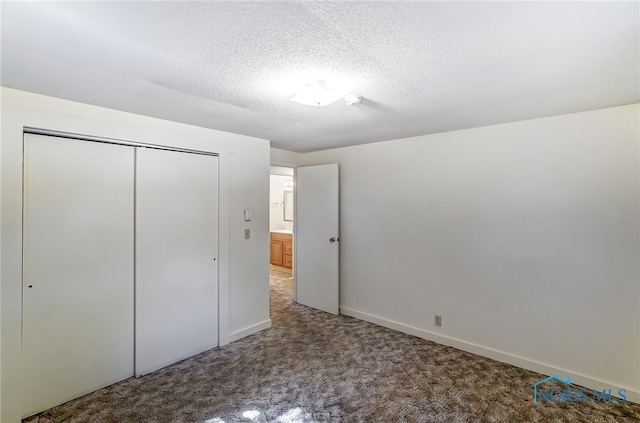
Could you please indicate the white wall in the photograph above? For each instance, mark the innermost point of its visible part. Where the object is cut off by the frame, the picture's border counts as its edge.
(523, 236)
(276, 202)
(244, 183)
(284, 158)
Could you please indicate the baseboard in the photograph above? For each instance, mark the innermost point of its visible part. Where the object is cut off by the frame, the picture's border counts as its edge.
(239, 334)
(525, 363)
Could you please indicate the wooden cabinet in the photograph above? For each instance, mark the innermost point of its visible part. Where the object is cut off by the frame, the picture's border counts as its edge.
(281, 249)
(276, 252)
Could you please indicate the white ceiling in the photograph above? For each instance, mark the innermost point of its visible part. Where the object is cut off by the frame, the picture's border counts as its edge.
(422, 67)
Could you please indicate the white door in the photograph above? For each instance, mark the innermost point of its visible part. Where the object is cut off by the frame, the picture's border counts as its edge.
(78, 269)
(176, 256)
(316, 243)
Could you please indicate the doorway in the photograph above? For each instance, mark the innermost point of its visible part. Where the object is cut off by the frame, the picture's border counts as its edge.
(311, 225)
(281, 225)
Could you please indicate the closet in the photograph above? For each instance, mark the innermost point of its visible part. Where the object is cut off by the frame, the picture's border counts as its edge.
(119, 263)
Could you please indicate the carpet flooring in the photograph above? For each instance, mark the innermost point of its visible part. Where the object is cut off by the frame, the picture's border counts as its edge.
(315, 367)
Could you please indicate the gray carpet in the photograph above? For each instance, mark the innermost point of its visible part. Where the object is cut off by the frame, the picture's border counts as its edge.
(315, 367)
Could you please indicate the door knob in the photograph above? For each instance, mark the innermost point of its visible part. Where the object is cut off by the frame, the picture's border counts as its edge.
(332, 239)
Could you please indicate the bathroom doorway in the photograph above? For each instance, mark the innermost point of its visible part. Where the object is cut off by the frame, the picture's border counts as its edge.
(281, 225)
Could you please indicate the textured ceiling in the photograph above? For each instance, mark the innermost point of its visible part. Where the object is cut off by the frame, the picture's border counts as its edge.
(422, 67)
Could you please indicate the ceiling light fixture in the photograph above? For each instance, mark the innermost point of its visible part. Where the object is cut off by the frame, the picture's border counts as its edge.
(352, 99)
(318, 93)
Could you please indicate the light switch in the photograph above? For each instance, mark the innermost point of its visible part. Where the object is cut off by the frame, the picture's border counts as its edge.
(247, 215)
(247, 233)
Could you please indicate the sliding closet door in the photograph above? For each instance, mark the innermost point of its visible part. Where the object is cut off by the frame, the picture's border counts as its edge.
(176, 256)
(78, 269)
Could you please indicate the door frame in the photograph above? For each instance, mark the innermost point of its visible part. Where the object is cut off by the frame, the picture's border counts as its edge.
(294, 166)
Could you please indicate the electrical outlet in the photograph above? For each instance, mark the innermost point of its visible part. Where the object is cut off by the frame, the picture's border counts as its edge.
(437, 320)
(247, 233)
